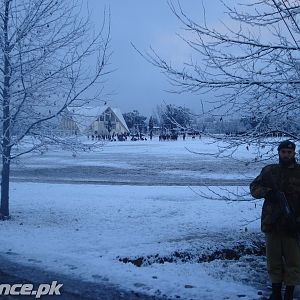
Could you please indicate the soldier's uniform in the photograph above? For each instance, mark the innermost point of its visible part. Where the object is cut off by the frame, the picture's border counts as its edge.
(282, 242)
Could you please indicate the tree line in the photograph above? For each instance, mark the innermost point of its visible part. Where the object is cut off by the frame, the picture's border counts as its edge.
(175, 118)
(165, 117)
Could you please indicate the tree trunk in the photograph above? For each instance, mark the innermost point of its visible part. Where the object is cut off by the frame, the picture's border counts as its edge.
(6, 148)
(4, 211)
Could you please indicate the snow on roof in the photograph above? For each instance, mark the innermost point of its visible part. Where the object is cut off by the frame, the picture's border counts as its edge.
(85, 116)
(119, 115)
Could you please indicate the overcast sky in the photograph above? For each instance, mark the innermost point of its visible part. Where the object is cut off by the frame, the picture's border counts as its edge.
(136, 83)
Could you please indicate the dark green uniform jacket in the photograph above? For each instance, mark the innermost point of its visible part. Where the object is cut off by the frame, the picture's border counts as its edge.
(288, 181)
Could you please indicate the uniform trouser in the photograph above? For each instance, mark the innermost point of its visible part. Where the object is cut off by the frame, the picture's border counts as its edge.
(283, 258)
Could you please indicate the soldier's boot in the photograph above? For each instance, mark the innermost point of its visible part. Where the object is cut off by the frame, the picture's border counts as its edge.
(289, 292)
(276, 291)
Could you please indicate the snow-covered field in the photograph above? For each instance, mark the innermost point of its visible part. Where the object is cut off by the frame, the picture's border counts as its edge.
(95, 231)
(141, 163)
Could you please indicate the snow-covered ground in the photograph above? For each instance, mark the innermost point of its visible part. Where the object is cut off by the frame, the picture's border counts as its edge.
(83, 230)
(90, 230)
(141, 163)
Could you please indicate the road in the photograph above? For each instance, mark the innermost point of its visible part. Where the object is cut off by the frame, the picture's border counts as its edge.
(73, 289)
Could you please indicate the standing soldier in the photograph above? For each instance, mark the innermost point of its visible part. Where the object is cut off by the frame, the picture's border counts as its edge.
(282, 239)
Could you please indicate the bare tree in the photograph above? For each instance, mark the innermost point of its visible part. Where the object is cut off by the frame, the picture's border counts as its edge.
(46, 48)
(251, 66)
(174, 117)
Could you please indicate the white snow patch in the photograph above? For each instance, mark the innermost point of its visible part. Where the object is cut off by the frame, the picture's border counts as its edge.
(80, 230)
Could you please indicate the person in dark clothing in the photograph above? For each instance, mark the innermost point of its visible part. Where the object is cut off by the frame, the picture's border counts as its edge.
(282, 241)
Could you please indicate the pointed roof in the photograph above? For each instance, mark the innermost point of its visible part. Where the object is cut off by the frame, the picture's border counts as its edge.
(85, 116)
(119, 115)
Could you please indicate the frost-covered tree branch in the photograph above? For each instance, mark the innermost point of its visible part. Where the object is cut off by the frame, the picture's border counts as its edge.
(50, 58)
(251, 66)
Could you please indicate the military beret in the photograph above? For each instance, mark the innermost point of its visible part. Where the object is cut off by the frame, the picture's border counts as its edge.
(286, 145)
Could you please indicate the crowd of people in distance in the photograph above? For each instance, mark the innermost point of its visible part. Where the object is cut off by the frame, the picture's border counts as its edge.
(140, 137)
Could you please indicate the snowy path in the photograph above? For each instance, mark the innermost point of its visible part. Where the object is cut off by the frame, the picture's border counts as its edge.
(127, 180)
(73, 289)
